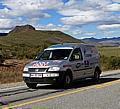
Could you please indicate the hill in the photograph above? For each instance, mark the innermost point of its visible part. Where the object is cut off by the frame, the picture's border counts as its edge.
(27, 35)
(104, 41)
(25, 41)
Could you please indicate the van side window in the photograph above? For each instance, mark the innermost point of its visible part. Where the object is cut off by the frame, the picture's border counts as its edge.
(76, 55)
(90, 51)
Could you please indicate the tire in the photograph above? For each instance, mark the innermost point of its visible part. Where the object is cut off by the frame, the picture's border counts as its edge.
(67, 80)
(96, 75)
(32, 85)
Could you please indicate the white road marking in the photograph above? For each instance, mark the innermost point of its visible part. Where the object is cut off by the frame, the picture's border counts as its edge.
(19, 87)
(11, 88)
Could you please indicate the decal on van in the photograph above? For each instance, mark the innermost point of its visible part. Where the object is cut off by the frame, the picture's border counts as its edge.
(40, 64)
(86, 62)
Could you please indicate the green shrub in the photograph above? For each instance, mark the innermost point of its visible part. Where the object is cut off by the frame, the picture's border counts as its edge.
(110, 63)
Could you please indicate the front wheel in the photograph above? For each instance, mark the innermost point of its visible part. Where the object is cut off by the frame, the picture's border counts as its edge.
(32, 85)
(67, 80)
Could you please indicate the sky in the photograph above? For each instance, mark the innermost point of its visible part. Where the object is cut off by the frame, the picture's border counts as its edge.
(79, 18)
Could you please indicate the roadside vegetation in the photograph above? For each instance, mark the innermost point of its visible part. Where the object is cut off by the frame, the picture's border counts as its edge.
(110, 58)
(11, 71)
(109, 51)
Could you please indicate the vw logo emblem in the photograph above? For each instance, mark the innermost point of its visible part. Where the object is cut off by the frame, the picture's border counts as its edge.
(36, 70)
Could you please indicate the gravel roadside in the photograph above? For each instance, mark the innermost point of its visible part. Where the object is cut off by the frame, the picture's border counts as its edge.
(3, 86)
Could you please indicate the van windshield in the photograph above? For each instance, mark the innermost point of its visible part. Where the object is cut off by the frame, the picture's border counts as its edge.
(57, 54)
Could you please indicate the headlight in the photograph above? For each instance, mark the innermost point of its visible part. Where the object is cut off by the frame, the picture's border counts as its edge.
(26, 75)
(25, 69)
(54, 69)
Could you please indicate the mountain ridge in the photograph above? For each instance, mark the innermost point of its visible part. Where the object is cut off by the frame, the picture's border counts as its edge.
(115, 41)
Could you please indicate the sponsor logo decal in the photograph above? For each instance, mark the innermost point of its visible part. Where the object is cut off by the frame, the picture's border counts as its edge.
(40, 64)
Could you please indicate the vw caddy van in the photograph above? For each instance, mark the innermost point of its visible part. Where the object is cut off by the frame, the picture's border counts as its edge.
(63, 63)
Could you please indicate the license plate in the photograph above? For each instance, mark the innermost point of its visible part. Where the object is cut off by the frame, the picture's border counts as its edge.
(36, 75)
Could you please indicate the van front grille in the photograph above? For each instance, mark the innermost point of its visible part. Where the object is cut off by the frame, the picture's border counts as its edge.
(37, 69)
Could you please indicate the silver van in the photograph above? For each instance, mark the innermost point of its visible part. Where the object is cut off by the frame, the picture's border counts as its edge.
(63, 63)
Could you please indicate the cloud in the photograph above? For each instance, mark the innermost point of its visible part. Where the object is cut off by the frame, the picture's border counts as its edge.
(6, 23)
(18, 12)
(78, 12)
(82, 17)
(86, 4)
(108, 33)
(86, 34)
(89, 33)
(32, 4)
(70, 12)
(118, 1)
(111, 26)
(96, 4)
(71, 30)
(28, 7)
(77, 31)
(53, 27)
(113, 7)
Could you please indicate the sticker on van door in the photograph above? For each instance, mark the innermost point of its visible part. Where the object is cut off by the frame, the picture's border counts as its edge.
(86, 63)
(78, 65)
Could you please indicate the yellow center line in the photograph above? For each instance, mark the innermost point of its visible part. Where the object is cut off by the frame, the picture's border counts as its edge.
(64, 94)
(107, 84)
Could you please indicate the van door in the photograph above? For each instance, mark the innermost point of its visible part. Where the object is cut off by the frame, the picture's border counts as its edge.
(77, 63)
(88, 63)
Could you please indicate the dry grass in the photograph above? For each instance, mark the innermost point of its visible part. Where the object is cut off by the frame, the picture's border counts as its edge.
(110, 51)
(11, 71)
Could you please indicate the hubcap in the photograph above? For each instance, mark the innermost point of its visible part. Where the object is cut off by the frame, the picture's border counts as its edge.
(67, 80)
(97, 75)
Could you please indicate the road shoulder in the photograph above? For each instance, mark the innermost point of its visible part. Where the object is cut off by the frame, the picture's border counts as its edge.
(18, 84)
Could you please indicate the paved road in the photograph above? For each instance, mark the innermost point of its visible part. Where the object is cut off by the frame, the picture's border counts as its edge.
(82, 95)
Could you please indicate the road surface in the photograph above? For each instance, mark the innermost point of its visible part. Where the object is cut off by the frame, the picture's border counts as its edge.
(84, 94)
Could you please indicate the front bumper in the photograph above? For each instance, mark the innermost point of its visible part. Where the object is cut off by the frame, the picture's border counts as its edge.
(44, 79)
(41, 80)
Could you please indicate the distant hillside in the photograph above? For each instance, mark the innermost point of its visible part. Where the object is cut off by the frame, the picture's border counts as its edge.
(27, 35)
(104, 41)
